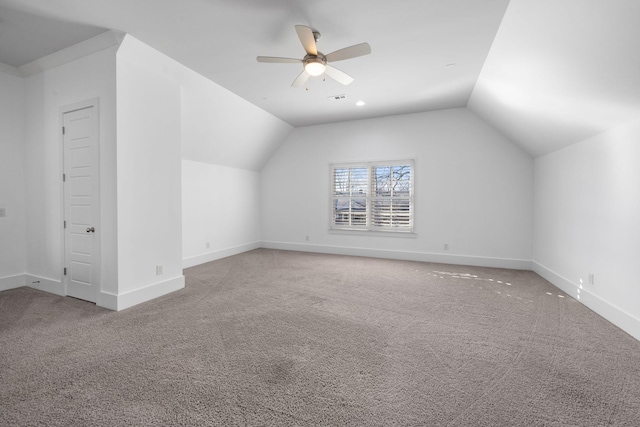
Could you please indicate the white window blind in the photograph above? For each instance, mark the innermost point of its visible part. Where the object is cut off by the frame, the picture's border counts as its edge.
(350, 196)
(391, 201)
(373, 196)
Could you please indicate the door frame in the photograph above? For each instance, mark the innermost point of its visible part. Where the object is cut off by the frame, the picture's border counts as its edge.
(96, 254)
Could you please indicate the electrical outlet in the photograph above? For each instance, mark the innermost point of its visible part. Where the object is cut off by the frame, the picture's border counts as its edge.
(208, 245)
(306, 238)
(3, 212)
(592, 279)
(446, 247)
(158, 270)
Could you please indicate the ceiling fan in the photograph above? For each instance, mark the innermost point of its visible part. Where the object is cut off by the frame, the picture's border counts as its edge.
(315, 63)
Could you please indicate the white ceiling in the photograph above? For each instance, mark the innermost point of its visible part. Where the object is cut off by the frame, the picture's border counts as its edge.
(546, 73)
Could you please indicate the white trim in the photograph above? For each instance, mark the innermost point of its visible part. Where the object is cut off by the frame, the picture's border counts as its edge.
(11, 282)
(87, 47)
(8, 69)
(138, 296)
(613, 314)
(514, 264)
(44, 284)
(222, 253)
(377, 233)
(107, 300)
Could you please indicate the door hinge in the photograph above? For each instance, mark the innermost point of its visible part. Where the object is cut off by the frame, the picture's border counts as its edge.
(65, 224)
(63, 130)
(65, 271)
(64, 177)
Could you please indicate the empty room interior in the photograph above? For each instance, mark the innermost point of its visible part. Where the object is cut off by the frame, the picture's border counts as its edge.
(286, 212)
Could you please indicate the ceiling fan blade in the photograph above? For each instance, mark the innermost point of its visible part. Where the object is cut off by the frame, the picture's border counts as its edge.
(338, 75)
(349, 52)
(301, 79)
(305, 34)
(277, 59)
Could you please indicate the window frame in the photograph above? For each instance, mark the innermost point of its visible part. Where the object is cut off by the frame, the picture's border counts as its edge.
(368, 226)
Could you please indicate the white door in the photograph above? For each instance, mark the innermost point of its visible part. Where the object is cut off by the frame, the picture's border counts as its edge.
(81, 196)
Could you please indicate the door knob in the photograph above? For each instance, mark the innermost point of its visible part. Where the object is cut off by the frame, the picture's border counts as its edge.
(91, 230)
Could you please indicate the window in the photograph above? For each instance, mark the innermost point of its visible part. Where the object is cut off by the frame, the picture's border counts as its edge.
(372, 196)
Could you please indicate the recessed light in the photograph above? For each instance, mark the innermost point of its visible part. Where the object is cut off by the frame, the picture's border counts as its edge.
(360, 103)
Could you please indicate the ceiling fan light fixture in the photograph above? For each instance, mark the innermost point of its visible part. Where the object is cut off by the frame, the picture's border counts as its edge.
(315, 66)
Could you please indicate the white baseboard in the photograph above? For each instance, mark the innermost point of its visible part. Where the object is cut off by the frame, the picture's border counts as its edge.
(515, 264)
(129, 299)
(44, 284)
(11, 282)
(613, 314)
(223, 253)
(107, 300)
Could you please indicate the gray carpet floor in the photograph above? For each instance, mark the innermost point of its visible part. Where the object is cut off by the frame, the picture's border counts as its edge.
(274, 338)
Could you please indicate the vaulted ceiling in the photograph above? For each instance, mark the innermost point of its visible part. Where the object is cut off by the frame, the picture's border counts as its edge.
(546, 73)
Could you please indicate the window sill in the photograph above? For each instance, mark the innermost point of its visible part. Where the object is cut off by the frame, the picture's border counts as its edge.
(386, 233)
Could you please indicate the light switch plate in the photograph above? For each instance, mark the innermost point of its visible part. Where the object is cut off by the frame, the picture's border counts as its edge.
(3, 212)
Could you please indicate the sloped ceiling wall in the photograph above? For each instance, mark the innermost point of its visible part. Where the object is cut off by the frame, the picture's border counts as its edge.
(561, 71)
(220, 128)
